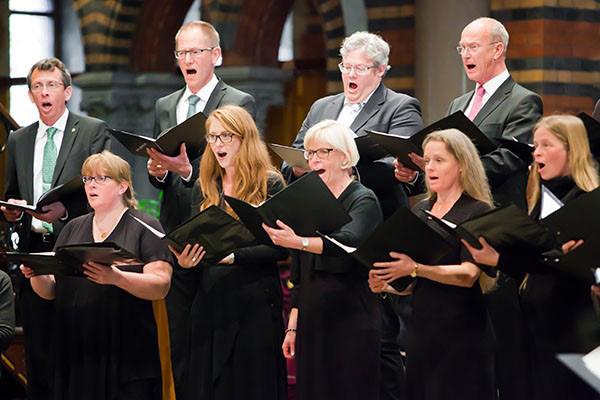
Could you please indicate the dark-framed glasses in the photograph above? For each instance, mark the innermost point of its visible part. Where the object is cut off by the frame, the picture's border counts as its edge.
(223, 137)
(194, 53)
(99, 179)
(50, 86)
(321, 153)
(358, 69)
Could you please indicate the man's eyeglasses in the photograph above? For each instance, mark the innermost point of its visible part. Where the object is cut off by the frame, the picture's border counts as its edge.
(321, 153)
(51, 86)
(223, 137)
(99, 179)
(472, 48)
(194, 53)
(358, 69)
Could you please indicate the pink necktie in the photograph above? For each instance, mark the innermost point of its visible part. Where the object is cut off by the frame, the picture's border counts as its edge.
(477, 103)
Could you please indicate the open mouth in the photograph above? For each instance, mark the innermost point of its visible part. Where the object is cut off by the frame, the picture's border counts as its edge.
(320, 171)
(191, 71)
(46, 105)
(541, 166)
(352, 85)
(221, 154)
(470, 66)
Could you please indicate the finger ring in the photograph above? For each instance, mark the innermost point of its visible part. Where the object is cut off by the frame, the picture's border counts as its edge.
(158, 166)
(193, 258)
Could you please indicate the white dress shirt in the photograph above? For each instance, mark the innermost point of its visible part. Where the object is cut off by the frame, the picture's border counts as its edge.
(490, 88)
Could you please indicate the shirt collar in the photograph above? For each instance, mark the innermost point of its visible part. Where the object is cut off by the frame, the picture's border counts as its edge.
(493, 84)
(60, 124)
(203, 93)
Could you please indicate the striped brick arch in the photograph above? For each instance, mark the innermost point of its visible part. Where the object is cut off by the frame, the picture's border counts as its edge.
(554, 50)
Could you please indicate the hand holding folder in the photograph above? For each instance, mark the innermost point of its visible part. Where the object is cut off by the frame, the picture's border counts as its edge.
(306, 205)
(401, 146)
(218, 232)
(191, 132)
(403, 232)
(68, 260)
(58, 193)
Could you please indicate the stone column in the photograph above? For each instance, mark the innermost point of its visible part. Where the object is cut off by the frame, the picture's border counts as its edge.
(266, 84)
(126, 101)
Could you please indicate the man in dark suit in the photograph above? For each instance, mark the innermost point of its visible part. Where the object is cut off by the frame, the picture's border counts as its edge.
(366, 104)
(501, 108)
(41, 156)
(197, 53)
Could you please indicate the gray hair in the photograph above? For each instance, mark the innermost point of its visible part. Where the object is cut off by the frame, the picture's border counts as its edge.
(49, 64)
(337, 136)
(377, 49)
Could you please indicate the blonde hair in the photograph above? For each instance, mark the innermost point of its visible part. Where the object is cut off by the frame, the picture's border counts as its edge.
(472, 177)
(207, 29)
(337, 136)
(253, 166)
(570, 130)
(115, 167)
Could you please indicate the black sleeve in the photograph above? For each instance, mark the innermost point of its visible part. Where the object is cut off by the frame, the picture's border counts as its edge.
(7, 311)
(152, 248)
(366, 216)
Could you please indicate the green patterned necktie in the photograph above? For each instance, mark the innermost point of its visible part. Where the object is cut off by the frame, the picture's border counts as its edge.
(48, 164)
(192, 100)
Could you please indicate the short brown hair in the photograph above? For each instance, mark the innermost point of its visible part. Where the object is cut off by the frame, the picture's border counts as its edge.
(49, 64)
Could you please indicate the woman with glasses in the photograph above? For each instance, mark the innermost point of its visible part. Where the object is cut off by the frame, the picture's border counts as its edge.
(334, 326)
(110, 323)
(557, 308)
(236, 322)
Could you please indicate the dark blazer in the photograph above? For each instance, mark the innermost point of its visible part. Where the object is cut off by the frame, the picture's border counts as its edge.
(386, 111)
(511, 112)
(177, 196)
(83, 137)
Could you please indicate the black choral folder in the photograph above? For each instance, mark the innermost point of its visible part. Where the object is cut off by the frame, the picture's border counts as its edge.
(580, 263)
(191, 131)
(218, 232)
(306, 206)
(593, 131)
(292, 156)
(401, 146)
(68, 259)
(58, 193)
(402, 232)
(506, 227)
(522, 150)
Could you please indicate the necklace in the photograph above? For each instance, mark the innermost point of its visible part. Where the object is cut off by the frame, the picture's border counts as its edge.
(104, 233)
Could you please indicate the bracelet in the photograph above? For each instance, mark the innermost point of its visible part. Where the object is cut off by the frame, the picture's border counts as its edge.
(415, 270)
(290, 330)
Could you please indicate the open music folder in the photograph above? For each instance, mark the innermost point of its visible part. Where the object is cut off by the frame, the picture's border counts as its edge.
(585, 366)
(292, 156)
(213, 228)
(191, 132)
(402, 232)
(401, 146)
(68, 259)
(62, 192)
(306, 205)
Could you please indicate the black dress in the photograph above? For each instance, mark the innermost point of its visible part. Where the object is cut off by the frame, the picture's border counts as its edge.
(338, 336)
(450, 352)
(558, 313)
(107, 339)
(236, 326)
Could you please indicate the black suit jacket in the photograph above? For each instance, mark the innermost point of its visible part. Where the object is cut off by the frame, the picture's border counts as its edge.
(386, 111)
(511, 112)
(175, 205)
(83, 137)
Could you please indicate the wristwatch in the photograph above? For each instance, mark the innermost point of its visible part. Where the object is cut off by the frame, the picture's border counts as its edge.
(305, 243)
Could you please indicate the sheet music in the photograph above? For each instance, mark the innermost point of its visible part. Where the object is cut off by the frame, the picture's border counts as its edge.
(550, 203)
(592, 361)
